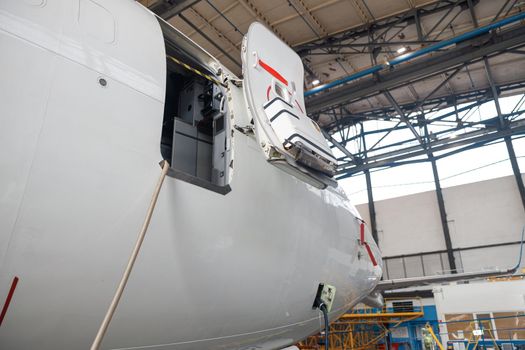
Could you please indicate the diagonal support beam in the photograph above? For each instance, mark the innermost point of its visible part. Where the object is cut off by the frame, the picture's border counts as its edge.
(443, 217)
(362, 11)
(168, 9)
(508, 141)
(403, 117)
(369, 191)
(254, 10)
(207, 23)
(339, 146)
(309, 17)
(219, 47)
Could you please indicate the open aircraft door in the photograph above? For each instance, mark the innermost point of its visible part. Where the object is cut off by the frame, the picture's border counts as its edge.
(273, 86)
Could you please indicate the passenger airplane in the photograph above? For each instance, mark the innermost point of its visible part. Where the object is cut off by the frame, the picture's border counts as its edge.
(249, 223)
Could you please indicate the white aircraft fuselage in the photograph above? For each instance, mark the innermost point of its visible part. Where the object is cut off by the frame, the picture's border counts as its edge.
(82, 99)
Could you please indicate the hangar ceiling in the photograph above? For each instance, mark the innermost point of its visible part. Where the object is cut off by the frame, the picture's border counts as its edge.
(336, 38)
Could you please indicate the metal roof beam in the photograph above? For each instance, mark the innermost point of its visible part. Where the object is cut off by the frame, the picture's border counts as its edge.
(403, 117)
(167, 9)
(338, 145)
(464, 52)
(213, 42)
(475, 96)
(385, 23)
(308, 17)
(489, 134)
(305, 50)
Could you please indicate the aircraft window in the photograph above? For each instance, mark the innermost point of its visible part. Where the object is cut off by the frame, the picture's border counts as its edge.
(194, 128)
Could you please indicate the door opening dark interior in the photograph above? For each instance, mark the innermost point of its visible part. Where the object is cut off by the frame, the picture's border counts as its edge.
(195, 125)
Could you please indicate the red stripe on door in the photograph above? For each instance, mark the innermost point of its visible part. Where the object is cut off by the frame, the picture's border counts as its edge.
(363, 242)
(273, 72)
(372, 258)
(8, 299)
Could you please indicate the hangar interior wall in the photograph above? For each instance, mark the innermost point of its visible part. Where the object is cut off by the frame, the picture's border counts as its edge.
(478, 214)
(497, 300)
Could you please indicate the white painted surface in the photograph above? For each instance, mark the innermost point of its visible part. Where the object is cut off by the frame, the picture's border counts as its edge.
(480, 297)
(264, 54)
(485, 212)
(411, 224)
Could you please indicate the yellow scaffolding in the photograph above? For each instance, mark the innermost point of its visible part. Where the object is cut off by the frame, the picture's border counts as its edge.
(430, 330)
(484, 334)
(363, 328)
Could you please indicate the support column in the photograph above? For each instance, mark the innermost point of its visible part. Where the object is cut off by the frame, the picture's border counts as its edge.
(371, 205)
(508, 141)
(443, 215)
(388, 339)
(441, 204)
(419, 29)
(516, 169)
(502, 124)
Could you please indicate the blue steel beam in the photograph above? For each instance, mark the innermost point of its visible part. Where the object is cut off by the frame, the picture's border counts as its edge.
(409, 56)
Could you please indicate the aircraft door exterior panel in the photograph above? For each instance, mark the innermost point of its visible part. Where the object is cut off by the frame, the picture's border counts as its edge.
(24, 91)
(274, 91)
(63, 135)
